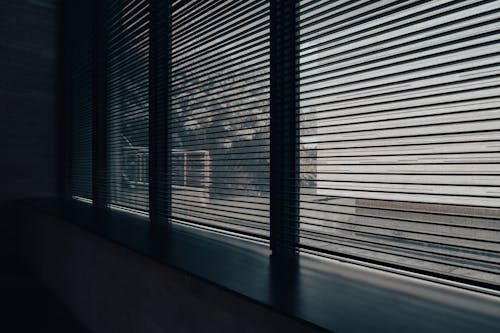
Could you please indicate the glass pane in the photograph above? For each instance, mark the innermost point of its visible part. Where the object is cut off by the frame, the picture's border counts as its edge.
(128, 104)
(399, 134)
(219, 123)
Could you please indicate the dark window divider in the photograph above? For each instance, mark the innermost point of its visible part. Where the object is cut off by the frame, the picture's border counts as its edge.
(99, 140)
(283, 140)
(159, 90)
(64, 92)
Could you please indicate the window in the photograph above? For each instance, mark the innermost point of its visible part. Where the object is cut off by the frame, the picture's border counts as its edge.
(78, 55)
(127, 98)
(356, 129)
(399, 134)
(219, 120)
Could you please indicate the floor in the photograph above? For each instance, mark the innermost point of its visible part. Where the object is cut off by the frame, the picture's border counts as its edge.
(27, 306)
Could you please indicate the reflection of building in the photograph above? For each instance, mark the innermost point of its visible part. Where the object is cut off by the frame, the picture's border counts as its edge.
(135, 162)
(191, 175)
(190, 169)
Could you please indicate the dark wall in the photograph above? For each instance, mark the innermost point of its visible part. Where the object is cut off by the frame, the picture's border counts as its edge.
(27, 104)
(27, 98)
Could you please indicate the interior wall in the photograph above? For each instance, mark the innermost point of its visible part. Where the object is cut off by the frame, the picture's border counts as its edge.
(28, 100)
(28, 146)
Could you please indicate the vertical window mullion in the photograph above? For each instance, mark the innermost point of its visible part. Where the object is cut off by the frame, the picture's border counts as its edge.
(283, 199)
(65, 100)
(99, 142)
(159, 76)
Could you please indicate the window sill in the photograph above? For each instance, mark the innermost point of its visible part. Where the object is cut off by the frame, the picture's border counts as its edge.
(326, 293)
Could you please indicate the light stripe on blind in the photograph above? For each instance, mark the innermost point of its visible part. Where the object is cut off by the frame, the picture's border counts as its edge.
(399, 127)
(127, 55)
(79, 45)
(219, 121)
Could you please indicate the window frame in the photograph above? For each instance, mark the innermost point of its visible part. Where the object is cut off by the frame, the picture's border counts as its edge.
(282, 249)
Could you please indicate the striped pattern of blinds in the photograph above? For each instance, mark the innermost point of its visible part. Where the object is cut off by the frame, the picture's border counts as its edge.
(79, 46)
(127, 78)
(219, 120)
(400, 133)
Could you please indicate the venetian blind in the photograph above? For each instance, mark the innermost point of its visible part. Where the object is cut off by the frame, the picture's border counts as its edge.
(399, 121)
